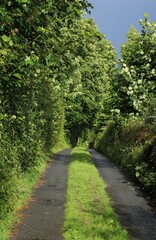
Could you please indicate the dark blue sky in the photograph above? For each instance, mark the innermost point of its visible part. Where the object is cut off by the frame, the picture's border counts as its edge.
(114, 17)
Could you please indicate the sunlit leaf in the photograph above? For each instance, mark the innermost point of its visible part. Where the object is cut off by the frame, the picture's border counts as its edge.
(17, 75)
(6, 38)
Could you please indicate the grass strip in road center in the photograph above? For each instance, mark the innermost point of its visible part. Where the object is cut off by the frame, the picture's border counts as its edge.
(89, 214)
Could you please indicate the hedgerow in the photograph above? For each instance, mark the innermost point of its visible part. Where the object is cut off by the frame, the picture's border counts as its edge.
(34, 78)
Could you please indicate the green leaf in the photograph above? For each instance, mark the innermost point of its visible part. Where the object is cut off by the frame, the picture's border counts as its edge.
(17, 75)
(6, 38)
(23, 1)
(11, 43)
(28, 61)
(137, 174)
(3, 52)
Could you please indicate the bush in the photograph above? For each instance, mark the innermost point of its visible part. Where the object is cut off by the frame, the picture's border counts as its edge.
(131, 145)
(9, 170)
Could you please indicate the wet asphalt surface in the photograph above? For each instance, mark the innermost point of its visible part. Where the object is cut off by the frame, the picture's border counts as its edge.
(44, 218)
(133, 210)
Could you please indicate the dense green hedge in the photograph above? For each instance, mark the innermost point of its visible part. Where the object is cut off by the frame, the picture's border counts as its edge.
(33, 81)
(55, 68)
(132, 146)
(126, 129)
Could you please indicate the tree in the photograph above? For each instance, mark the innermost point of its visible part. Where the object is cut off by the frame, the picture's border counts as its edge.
(96, 61)
(138, 65)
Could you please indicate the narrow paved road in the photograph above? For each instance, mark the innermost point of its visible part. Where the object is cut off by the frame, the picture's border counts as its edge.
(45, 216)
(132, 208)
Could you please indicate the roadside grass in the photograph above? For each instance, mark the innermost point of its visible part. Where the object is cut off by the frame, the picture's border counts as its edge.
(26, 183)
(89, 214)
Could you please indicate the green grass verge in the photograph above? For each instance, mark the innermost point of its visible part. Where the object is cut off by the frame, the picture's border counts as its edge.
(26, 183)
(89, 214)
